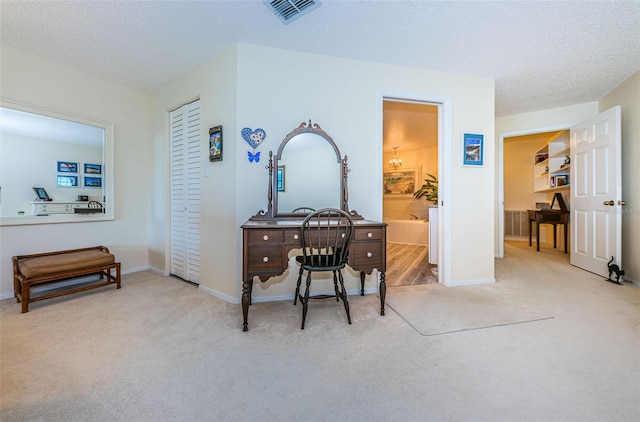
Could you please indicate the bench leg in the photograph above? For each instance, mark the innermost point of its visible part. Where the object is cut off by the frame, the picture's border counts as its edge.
(26, 290)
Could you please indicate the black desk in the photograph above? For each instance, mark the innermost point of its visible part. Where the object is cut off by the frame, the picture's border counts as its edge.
(553, 217)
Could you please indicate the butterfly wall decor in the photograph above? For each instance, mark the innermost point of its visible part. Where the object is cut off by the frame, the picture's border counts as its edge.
(254, 138)
(253, 157)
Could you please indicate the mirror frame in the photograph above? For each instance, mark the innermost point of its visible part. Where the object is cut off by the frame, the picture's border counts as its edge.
(272, 207)
(108, 177)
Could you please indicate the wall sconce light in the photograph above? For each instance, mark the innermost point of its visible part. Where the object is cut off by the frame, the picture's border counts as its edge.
(396, 161)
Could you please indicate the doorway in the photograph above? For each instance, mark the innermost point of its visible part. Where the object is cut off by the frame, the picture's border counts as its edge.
(410, 157)
(529, 182)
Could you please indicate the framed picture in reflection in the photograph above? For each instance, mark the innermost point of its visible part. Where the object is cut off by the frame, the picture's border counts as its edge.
(280, 178)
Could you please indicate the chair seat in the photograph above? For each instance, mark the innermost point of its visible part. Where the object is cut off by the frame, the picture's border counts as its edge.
(320, 263)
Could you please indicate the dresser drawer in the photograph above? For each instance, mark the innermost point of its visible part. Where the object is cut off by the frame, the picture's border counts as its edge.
(368, 233)
(293, 237)
(265, 258)
(366, 255)
(266, 236)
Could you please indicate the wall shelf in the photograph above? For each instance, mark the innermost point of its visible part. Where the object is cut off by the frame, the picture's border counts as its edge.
(551, 166)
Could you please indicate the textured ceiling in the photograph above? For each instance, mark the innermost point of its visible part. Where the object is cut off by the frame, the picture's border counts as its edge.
(542, 54)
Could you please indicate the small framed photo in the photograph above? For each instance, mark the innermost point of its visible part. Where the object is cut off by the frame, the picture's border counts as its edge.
(67, 167)
(562, 180)
(280, 178)
(65, 181)
(399, 182)
(93, 168)
(473, 149)
(92, 182)
(215, 143)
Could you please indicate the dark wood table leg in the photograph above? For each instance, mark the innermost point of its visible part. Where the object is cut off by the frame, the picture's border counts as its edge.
(383, 291)
(538, 236)
(362, 275)
(565, 237)
(247, 288)
(555, 235)
(530, 230)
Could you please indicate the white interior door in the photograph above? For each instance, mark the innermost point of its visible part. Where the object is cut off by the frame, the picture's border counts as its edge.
(596, 189)
(185, 191)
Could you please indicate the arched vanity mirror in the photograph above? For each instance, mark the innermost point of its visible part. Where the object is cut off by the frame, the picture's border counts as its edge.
(306, 173)
(52, 166)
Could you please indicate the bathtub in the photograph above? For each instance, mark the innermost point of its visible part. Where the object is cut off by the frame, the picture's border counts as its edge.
(412, 232)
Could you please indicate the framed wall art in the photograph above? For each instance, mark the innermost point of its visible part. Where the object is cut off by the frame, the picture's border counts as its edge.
(399, 182)
(93, 168)
(280, 178)
(92, 182)
(473, 149)
(67, 167)
(66, 181)
(215, 143)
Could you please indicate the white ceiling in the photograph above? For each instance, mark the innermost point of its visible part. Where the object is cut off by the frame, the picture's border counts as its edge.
(542, 54)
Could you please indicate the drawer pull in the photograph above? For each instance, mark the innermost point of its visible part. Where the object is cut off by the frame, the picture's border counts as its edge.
(343, 235)
(369, 254)
(265, 259)
(369, 234)
(296, 237)
(265, 237)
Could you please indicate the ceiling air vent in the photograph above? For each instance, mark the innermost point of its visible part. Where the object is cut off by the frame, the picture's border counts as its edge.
(290, 10)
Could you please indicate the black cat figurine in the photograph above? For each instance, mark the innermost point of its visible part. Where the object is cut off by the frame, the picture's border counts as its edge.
(614, 269)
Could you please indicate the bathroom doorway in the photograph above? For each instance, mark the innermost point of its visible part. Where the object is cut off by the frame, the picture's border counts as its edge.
(410, 157)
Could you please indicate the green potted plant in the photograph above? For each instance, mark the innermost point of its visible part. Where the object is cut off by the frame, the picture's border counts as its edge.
(429, 190)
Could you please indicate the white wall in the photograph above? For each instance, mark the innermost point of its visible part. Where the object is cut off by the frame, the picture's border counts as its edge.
(32, 80)
(627, 95)
(214, 82)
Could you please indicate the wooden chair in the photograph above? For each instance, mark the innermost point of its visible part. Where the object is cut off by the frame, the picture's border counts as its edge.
(303, 210)
(326, 235)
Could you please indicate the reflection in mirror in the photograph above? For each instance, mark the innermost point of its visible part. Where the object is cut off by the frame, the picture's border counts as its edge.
(311, 176)
(69, 157)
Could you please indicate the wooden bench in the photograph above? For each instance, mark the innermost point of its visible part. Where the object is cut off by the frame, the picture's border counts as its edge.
(50, 267)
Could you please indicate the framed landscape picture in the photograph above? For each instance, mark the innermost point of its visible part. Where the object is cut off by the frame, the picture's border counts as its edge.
(473, 149)
(93, 168)
(399, 182)
(67, 167)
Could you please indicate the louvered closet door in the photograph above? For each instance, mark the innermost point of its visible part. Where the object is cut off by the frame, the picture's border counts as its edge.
(185, 192)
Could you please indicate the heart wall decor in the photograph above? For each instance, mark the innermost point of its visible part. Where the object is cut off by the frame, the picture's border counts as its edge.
(253, 138)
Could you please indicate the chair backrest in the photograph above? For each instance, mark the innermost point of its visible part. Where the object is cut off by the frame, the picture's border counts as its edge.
(326, 236)
(303, 210)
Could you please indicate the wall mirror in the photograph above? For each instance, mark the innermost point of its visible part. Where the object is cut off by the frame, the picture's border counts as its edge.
(70, 157)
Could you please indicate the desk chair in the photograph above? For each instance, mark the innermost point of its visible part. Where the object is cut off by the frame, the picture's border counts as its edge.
(326, 235)
(303, 210)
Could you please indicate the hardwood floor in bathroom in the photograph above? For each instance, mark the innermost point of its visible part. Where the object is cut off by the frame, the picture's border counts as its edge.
(408, 265)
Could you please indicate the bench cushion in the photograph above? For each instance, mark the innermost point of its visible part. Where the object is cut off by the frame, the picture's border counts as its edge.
(53, 264)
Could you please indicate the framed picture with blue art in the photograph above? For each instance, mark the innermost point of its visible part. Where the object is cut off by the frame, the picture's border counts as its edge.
(67, 167)
(215, 143)
(473, 149)
(65, 181)
(280, 178)
(93, 168)
(92, 182)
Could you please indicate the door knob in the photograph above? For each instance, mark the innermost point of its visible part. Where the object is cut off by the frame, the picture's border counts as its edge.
(622, 203)
(609, 203)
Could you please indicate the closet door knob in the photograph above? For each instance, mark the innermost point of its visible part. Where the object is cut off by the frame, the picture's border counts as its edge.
(622, 203)
(608, 203)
